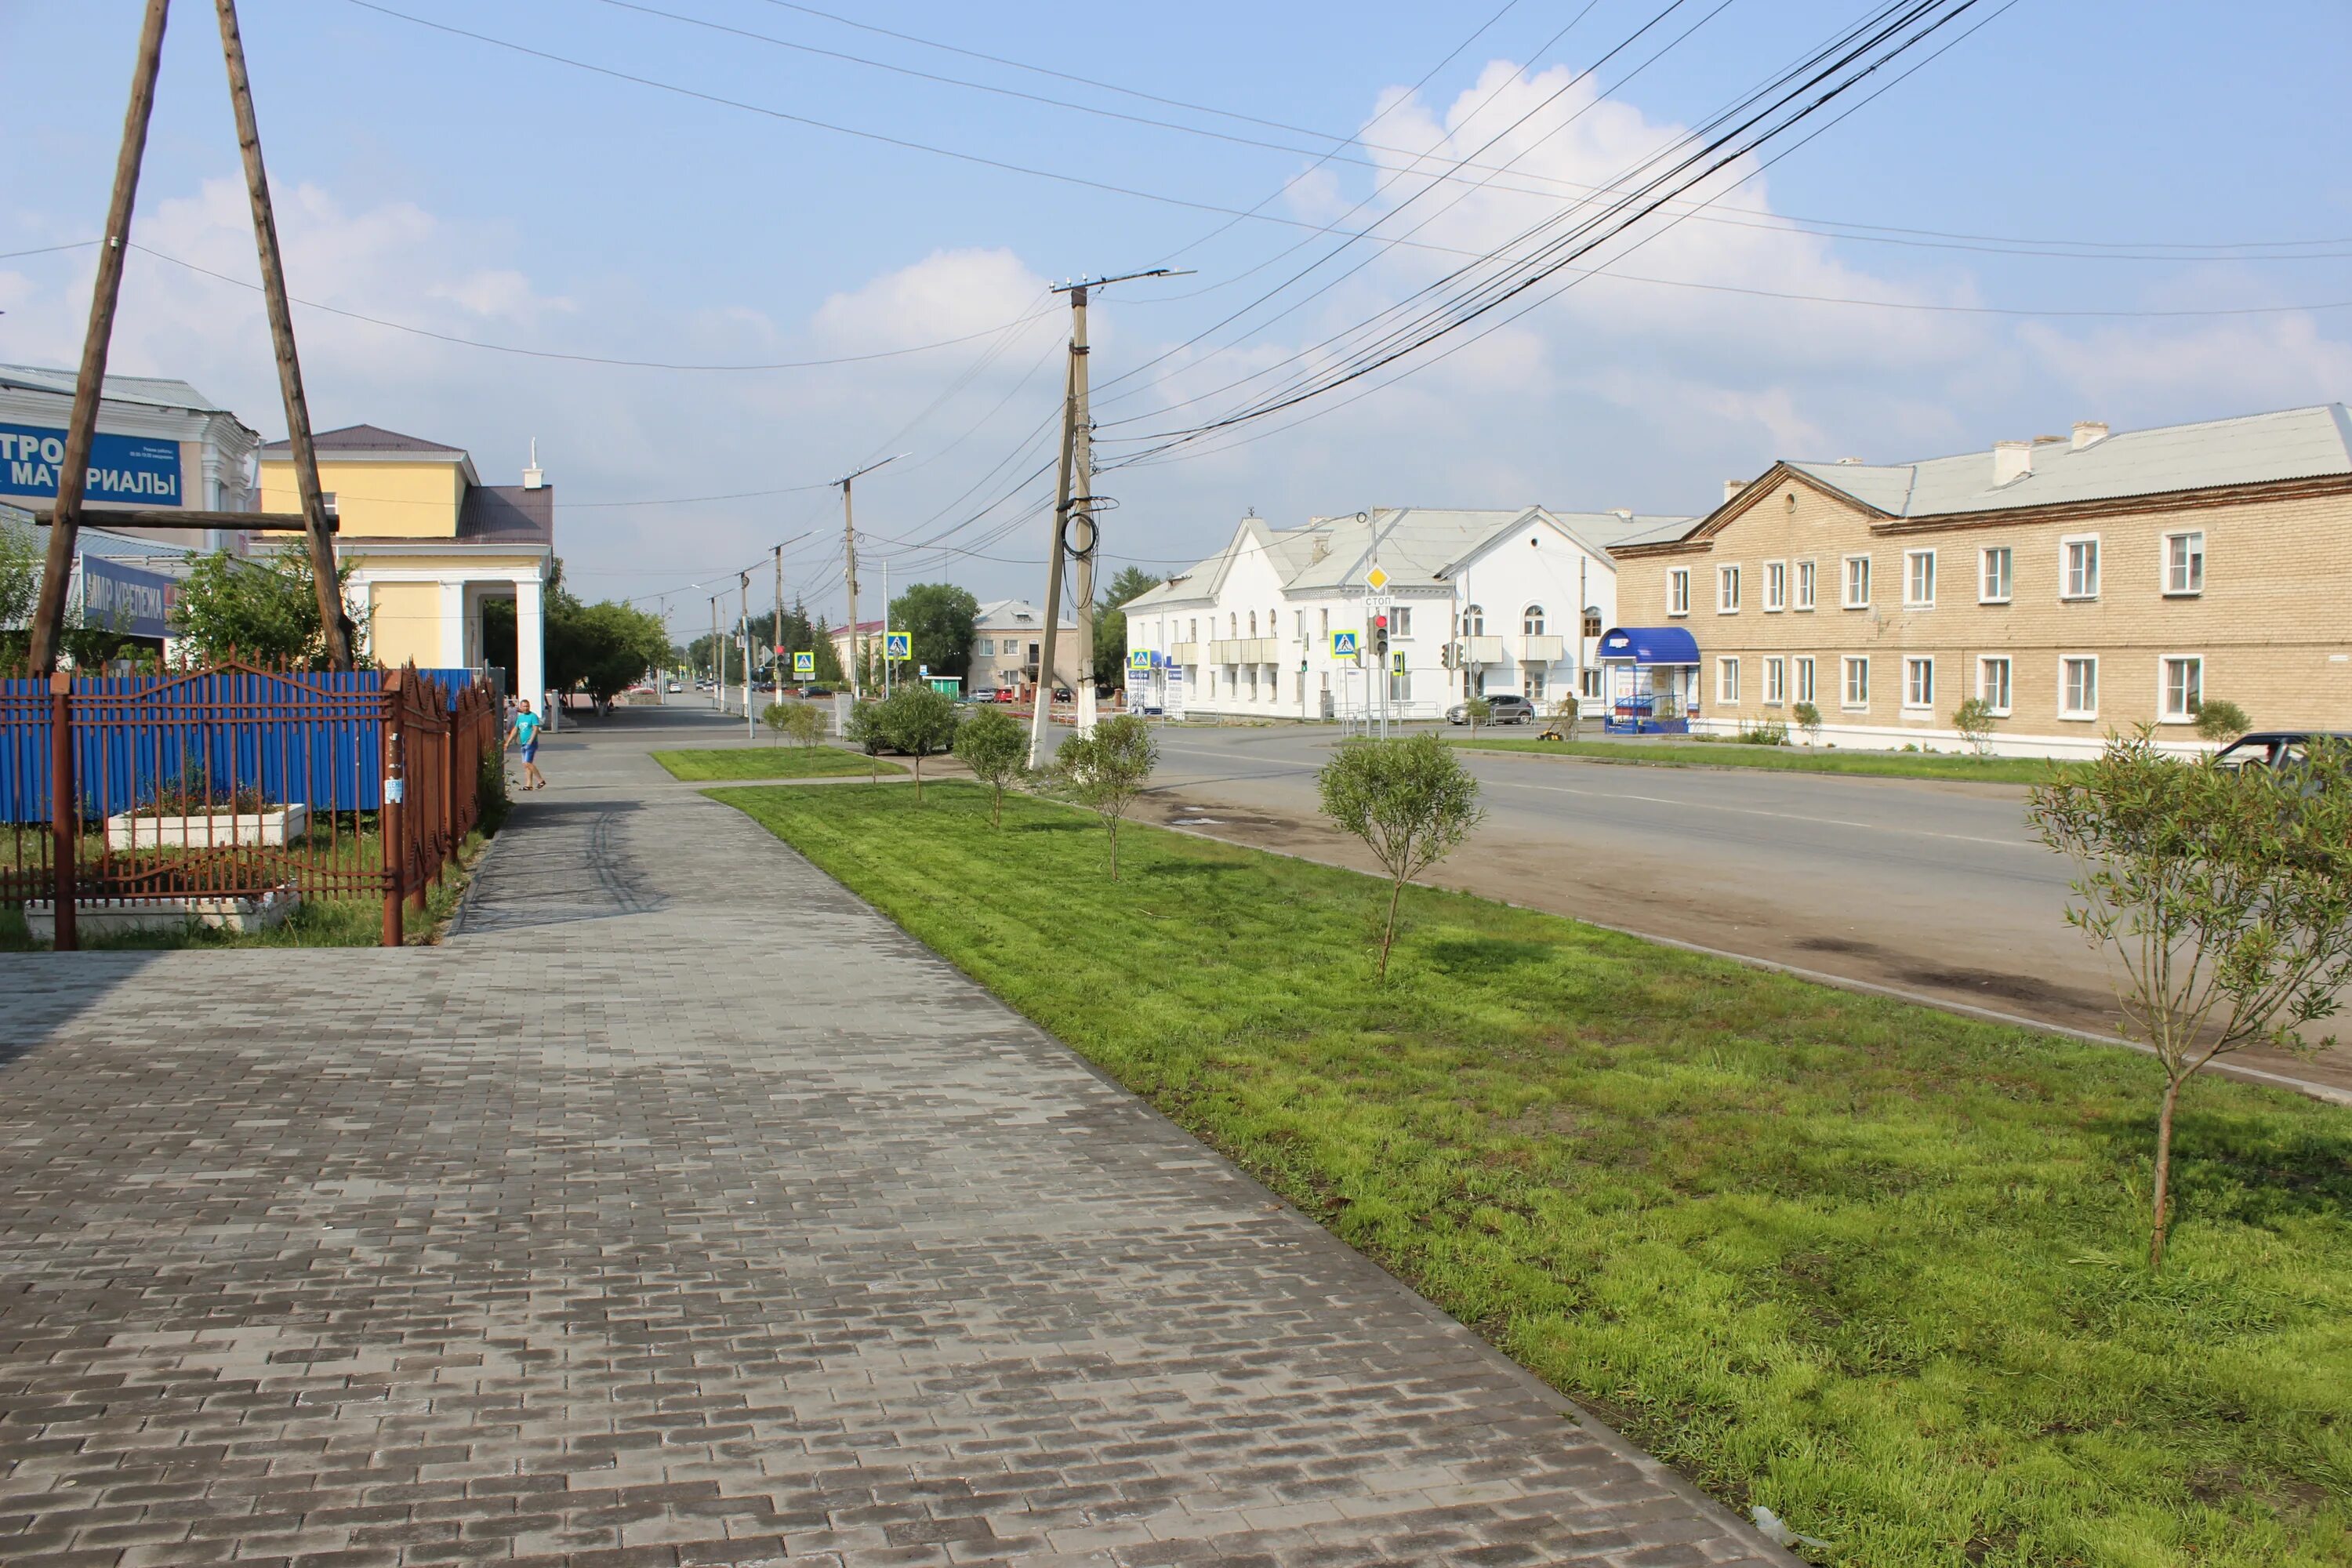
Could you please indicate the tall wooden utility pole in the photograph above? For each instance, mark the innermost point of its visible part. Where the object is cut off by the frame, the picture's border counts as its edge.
(81, 429)
(849, 566)
(776, 642)
(1076, 469)
(1044, 707)
(334, 622)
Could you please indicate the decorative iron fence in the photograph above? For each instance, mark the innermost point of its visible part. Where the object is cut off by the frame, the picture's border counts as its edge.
(236, 783)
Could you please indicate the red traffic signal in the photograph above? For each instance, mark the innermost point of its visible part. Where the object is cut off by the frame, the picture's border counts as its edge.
(1380, 623)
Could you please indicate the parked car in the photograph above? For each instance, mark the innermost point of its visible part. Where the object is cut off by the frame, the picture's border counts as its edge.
(2275, 748)
(1006, 694)
(674, 687)
(816, 690)
(1508, 708)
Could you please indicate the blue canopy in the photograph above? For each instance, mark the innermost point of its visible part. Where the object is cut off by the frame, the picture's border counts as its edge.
(1650, 645)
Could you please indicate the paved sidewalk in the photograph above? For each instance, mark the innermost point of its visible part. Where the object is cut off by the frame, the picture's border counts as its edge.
(681, 1210)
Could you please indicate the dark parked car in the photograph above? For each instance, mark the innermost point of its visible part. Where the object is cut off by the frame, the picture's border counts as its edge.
(2275, 748)
(816, 690)
(1509, 709)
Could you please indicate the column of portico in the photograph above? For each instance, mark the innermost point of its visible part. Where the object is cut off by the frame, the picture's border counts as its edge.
(453, 626)
(530, 645)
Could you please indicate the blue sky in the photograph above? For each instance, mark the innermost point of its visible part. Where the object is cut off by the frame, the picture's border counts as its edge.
(452, 184)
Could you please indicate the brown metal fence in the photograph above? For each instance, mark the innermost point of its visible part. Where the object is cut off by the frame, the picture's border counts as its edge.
(237, 782)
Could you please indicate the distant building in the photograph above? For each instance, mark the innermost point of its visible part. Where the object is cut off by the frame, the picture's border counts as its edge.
(1484, 602)
(161, 444)
(2080, 584)
(429, 544)
(1009, 645)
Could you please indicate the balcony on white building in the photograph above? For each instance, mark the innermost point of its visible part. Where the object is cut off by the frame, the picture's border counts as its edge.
(1482, 651)
(1245, 650)
(1542, 649)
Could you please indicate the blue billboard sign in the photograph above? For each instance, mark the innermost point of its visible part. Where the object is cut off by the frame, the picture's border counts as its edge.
(124, 471)
(124, 599)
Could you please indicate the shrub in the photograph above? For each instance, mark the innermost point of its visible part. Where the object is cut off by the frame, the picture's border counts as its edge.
(1809, 720)
(1107, 767)
(1411, 801)
(1973, 720)
(918, 721)
(2221, 721)
(1765, 732)
(994, 746)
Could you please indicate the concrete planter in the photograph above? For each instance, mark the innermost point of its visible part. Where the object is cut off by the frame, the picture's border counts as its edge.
(218, 830)
(175, 912)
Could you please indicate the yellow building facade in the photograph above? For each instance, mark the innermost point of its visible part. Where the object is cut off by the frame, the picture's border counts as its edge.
(428, 544)
(2079, 585)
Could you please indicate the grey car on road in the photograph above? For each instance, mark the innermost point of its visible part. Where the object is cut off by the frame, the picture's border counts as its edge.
(1508, 708)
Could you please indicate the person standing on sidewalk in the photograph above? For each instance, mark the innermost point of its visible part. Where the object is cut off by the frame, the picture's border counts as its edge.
(524, 732)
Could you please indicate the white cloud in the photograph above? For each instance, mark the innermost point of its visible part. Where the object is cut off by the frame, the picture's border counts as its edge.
(948, 294)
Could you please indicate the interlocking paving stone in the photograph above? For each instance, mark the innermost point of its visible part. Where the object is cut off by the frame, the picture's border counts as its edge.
(681, 1210)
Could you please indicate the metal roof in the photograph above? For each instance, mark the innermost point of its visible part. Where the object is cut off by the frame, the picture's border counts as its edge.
(1015, 615)
(155, 392)
(365, 438)
(1650, 645)
(2254, 449)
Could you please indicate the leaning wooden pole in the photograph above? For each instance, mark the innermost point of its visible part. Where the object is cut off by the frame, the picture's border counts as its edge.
(333, 622)
(81, 429)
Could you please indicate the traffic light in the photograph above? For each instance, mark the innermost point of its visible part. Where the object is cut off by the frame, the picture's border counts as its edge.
(1381, 638)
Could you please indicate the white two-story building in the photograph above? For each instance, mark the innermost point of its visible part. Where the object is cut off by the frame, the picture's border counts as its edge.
(1480, 601)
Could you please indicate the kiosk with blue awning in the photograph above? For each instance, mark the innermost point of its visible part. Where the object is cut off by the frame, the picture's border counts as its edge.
(1651, 680)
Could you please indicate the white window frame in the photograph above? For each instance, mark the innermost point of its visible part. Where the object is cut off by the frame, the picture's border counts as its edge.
(2009, 682)
(1776, 682)
(1400, 622)
(1847, 665)
(1808, 583)
(1911, 598)
(2195, 587)
(1776, 586)
(1804, 688)
(2067, 544)
(1727, 680)
(2008, 554)
(2164, 710)
(1678, 590)
(1846, 582)
(2064, 711)
(1913, 701)
(1727, 590)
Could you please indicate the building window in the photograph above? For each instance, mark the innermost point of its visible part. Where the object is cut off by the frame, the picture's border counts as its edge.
(1678, 590)
(1535, 685)
(1591, 679)
(1326, 629)
(1805, 679)
(1776, 586)
(1473, 621)
(1233, 625)
(2079, 576)
(1776, 679)
(1401, 620)
(1992, 683)
(1727, 680)
(1919, 683)
(987, 647)
(1804, 584)
(1400, 686)
(1299, 624)
(1532, 621)
(2184, 686)
(1727, 590)
(1591, 622)
(2078, 686)
(1857, 682)
(1919, 579)
(1193, 630)
(2184, 562)
(1857, 582)
(1994, 576)
(1253, 623)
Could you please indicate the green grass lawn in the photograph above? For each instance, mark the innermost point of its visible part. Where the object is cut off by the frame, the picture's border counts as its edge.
(1786, 759)
(769, 762)
(1878, 1266)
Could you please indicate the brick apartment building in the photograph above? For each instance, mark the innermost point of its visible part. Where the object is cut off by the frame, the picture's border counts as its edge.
(2080, 584)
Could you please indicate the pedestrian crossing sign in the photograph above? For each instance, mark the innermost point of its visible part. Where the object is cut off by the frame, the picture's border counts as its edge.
(1343, 644)
(1138, 659)
(804, 664)
(897, 645)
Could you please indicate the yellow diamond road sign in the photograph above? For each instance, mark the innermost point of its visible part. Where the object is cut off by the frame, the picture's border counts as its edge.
(1376, 578)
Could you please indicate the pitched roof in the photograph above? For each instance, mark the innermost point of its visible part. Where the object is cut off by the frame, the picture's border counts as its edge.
(363, 439)
(1416, 546)
(999, 614)
(508, 514)
(154, 392)
(2252, 448)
